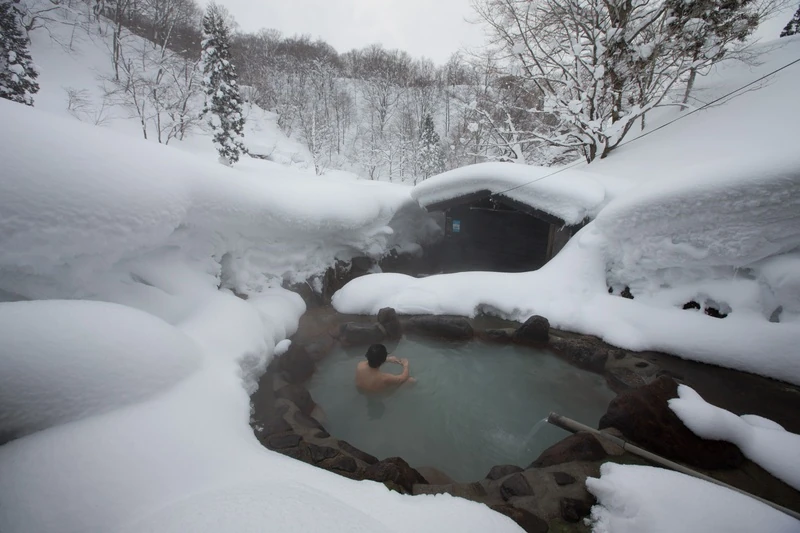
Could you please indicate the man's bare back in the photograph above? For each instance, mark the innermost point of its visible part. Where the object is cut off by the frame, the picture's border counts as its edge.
(369, 377)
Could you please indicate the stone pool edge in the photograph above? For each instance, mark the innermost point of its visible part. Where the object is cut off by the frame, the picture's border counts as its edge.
(547, 495)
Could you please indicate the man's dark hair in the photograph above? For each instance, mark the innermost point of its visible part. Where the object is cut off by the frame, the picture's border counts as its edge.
(376, 355)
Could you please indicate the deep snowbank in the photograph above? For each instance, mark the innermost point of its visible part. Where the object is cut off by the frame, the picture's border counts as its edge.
(761, 440)
(146, 416)
(64, 222)
(65, 360)
(633, 499)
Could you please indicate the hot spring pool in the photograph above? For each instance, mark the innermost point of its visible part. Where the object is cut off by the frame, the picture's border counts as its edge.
(474, 405)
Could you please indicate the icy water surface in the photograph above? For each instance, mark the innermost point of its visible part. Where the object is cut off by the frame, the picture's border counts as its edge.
(474, 405)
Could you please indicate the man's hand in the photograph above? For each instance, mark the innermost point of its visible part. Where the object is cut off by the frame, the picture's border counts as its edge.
(393, 359)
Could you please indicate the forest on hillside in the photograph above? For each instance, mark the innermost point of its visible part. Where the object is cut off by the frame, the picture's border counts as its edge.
(555, 82)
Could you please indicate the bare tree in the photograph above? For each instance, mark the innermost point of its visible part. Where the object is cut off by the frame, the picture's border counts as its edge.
(597, 66)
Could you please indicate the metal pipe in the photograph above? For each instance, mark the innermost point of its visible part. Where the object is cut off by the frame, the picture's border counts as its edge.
(574, 427)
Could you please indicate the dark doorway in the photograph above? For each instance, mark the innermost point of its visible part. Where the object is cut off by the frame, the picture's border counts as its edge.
(486, 236)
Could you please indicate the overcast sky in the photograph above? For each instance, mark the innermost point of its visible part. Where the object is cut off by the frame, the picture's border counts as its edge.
(430, 28)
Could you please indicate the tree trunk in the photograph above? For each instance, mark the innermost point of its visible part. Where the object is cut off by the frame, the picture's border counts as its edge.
(689, 85)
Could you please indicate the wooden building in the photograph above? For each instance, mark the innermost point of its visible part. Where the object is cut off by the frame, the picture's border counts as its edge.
(497, 233)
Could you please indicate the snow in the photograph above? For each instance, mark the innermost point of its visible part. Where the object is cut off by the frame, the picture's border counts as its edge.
(779, 278)
(56, 369)
(126, 207)
(135, 391)
(282, 347)
(571, 195)
(762, 441)
(633, 499)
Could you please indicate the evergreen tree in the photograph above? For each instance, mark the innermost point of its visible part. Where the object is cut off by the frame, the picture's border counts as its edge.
(431, 157)
(17, 73)
(793, 27)
(223, 107)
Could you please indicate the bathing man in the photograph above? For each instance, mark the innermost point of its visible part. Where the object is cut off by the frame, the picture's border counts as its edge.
(369, 377)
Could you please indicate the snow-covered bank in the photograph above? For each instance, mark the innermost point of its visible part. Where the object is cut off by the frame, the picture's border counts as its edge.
(761, 440)
(571, 292)
(153, 432)
(633, 499)
(641, 498)
(79, 199)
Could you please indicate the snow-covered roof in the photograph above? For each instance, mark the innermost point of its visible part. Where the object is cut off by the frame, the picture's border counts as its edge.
(570, 195)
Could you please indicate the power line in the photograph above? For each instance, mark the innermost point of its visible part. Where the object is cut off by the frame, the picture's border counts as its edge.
(693, 111)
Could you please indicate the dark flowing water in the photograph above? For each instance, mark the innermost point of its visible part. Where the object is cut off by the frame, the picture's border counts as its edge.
(474, 405)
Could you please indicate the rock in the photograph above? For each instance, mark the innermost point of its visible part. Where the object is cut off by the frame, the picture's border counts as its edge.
(298, 395)
(342, 273)
(348, 448)
(691, 305)
(581, 352)
(276, 424)
(395, 470)
(296, 365)
(644, 417)
(715, 313)
(281, 441)
(435, 476)
(300, 453)
(469, 491)
(441, 327)
(562, 478)
(573, 510)
(322, 434)
(319, 349)
(501, 336)
(307, 421)
(340, 464)
(305, 291)
(578, 447)
(626, 293)
(355, 334)
(524, 519)
(535, 331)
(501, 471)
(387, 317)
(515, 485)
(320, 453)
(621, 379)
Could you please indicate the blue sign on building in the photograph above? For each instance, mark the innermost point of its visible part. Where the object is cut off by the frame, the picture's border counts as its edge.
(456, 226)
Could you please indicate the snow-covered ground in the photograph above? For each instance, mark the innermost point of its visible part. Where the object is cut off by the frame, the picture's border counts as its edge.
(128, 388)
(136, 412)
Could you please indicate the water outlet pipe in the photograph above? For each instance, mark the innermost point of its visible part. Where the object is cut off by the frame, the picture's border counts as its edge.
(573, 427)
